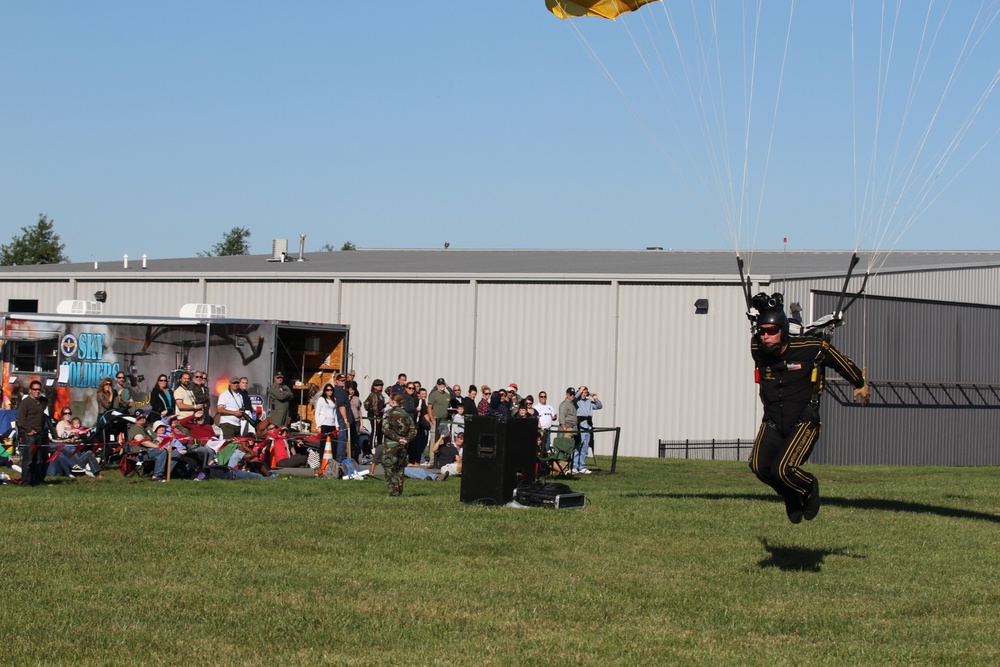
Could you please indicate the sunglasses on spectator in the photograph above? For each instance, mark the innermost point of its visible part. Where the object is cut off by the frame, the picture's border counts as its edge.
(34, 388)
(120, 377)
(162, 380)
(770, 330)
(66, 412)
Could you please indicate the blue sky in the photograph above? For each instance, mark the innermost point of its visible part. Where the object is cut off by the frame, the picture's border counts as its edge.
(156, 127)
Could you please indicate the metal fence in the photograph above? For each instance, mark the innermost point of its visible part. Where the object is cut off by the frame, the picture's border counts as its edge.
(721, 450)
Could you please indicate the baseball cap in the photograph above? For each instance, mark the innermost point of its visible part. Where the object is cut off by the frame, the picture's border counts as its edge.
(339, 376)
(571, 390)
(279, 374)
(512, 385)
(441, 381)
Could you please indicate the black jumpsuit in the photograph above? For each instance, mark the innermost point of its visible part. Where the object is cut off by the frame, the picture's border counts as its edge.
(790, 391)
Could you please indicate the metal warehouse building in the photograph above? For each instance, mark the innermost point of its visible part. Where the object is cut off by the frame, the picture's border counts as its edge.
(625, 323)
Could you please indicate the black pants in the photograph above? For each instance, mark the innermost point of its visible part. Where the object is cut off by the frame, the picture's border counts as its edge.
(416, 446)
(776, 457)
(376, 432)
(34, 458)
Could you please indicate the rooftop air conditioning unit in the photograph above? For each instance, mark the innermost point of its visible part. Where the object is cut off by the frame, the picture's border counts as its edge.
(279, 250)
(79, 307)
(203, 311)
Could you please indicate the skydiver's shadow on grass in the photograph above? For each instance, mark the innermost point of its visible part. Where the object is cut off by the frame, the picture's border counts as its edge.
(883, 504)
(797, 559)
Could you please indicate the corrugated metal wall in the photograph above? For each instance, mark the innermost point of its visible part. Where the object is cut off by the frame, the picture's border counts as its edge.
(980, 286)
(936, 380)
(303, 301)
(423, 329)
(663, 371)
(47, 293)
(682, 374)
(549, 336)
(142, 296)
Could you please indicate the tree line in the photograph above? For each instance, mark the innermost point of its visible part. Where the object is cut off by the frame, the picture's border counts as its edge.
(40, 244)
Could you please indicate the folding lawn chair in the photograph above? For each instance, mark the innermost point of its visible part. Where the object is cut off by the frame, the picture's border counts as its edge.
(559, 459)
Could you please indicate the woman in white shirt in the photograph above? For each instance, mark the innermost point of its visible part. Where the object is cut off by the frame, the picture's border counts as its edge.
(326, 411)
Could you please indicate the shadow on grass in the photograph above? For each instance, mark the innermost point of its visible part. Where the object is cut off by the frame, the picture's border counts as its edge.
(797, 559)
(882, 504)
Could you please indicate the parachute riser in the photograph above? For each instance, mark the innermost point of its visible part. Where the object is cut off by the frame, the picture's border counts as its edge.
(746, 286)
(825, 326)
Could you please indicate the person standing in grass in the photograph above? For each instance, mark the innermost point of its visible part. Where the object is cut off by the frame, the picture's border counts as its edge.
(32, 425)
(398, 429)
(790, 371)
(280, 397)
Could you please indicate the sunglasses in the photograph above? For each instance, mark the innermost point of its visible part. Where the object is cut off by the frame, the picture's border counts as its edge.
(120, 377)
(34, 388)
(67, 414)
(543, 396)
(770, 330)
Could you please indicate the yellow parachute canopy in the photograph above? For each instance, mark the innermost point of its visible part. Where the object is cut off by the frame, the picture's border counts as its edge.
(607, 9)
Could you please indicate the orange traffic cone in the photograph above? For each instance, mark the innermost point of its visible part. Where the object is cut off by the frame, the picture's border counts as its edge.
(327, 456)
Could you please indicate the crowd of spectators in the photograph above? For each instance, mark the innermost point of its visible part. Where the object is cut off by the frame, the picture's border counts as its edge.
(174, 433)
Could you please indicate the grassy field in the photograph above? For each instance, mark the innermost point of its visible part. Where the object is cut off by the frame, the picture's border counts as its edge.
(671, 563)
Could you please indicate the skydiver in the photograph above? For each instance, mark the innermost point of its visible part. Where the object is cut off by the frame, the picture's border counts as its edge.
(790, 371)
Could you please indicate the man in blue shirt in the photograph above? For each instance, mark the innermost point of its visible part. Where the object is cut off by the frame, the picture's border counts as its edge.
(345, 416)
(586, 403)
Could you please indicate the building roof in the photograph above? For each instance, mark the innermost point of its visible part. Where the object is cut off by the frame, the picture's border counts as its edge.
(440, 264)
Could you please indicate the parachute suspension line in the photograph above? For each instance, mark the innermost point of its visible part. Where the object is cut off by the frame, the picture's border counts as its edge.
(854, 134)
(621, 93)
(909, 188)
(721, 175)
(890, 182)
(927, 194)
(715, 176)
(663, 67)
(749, 80)
(715, 140)
(903, 183)
(774, 123)
(868, 199)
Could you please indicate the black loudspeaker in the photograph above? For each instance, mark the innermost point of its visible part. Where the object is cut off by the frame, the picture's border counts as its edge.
(499, 455)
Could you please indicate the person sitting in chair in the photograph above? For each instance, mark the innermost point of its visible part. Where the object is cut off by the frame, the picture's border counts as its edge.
(141, 440)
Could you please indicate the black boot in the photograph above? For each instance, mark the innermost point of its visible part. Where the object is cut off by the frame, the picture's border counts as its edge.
(810, 506)
(793, 508)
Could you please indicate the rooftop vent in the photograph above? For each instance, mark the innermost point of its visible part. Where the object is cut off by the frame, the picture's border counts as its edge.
(79, 307)
(203, 311)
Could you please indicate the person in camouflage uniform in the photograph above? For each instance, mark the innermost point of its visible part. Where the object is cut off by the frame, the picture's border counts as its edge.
(398, 429)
